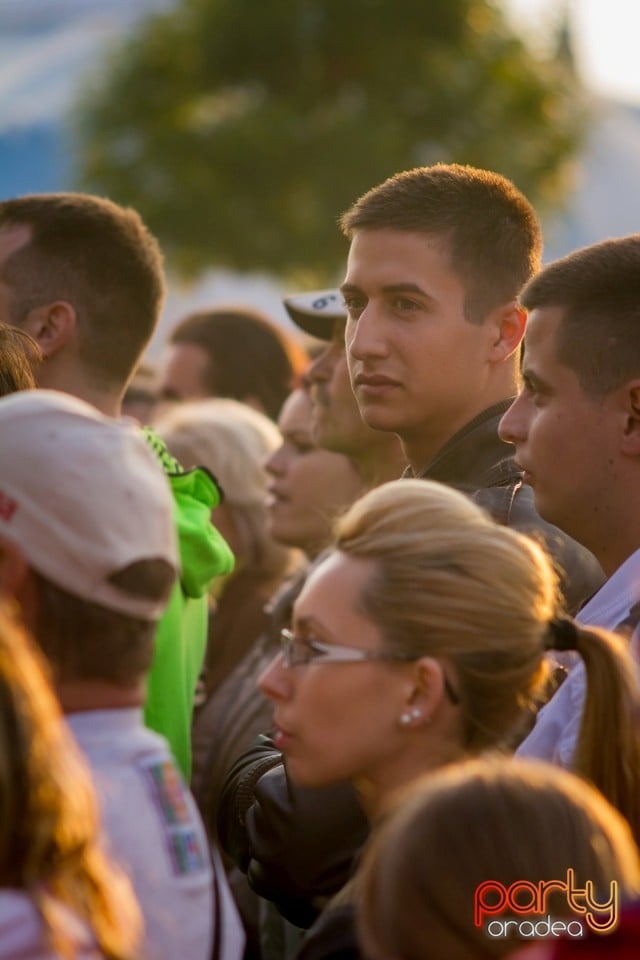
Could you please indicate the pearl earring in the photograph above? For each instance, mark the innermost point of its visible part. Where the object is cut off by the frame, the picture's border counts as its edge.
(414, 714)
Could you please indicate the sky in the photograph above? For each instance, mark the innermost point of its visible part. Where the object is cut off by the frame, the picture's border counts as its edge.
(46, 44)
(605, 36)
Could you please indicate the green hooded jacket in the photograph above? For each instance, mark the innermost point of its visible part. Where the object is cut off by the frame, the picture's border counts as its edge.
(181, 636)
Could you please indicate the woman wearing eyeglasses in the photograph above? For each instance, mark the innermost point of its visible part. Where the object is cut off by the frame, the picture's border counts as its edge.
(421, 640)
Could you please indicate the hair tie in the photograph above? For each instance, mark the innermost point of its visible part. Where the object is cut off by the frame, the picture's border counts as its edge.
(562, 634)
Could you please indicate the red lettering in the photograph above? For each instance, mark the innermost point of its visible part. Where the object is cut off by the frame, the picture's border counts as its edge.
(524, 898)
(545, 886)
(516, 905)
(480, 907)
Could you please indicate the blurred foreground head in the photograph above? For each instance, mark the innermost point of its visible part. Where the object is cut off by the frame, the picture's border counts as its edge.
(497, 820)
(50, 851)
(87, 537)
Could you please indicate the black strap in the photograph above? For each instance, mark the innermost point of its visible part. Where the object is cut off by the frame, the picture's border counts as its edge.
(217, 912)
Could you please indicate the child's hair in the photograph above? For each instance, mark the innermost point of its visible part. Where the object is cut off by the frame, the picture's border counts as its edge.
(49, 829)
(493, 819)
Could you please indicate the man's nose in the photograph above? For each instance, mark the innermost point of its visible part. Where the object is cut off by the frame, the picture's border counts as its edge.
(365, 335)
(514, 423)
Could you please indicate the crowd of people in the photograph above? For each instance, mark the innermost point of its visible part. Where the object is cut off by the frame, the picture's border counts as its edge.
(321, 644)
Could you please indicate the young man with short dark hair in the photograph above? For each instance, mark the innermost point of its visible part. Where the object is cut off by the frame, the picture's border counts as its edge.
(576, 429)
(437, 259)
(84, 276)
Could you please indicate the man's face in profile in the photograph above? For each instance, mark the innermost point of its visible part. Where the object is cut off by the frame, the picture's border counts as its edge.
(337, 424)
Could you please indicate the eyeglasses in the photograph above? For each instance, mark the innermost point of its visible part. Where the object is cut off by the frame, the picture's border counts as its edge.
(300, 651)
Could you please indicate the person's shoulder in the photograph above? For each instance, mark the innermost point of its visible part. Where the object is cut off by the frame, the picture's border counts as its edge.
(580, 573)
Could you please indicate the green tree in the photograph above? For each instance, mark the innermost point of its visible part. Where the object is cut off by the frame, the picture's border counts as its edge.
(241, 129)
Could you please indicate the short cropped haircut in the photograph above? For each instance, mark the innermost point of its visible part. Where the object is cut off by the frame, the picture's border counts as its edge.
(493, 234)
(248, 355)
(85, 641)
(100, 258)
(597, 289)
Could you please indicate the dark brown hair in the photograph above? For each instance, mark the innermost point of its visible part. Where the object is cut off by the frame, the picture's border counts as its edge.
(491, 229)
(248, 355)
(83, 640)
(491, 819)
(597, 289)
(100, 258)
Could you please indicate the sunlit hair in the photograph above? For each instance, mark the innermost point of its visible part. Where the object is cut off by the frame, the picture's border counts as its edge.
(450, 583)
(249, 355)
(490, 819)
(19, 356)
(97, 256)
(48, 810)
(597, 290)
(233, 441)
(491, 230)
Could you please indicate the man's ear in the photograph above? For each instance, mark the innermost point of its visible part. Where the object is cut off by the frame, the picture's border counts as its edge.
(631, 434)
(506, 325)
(51, 325)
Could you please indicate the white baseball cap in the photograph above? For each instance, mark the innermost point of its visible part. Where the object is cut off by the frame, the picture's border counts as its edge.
(83, 497)
(316, 312)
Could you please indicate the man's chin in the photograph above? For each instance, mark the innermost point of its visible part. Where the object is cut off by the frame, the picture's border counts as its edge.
(378, 419)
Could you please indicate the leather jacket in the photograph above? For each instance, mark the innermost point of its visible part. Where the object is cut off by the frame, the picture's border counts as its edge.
(296, 845)
(477, 462)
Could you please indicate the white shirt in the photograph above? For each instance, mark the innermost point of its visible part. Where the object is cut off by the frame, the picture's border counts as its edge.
(153, 829)
(23, 933)
(555, 734)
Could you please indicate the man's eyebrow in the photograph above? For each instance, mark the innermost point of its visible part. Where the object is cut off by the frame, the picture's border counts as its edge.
(531, 379)
(404, 287)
